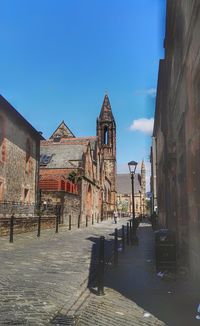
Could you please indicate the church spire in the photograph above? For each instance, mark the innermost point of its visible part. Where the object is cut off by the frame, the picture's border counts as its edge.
(142, 166)
(106, 111)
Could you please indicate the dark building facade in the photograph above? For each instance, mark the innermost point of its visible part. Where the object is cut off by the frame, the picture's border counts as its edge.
(176, 129)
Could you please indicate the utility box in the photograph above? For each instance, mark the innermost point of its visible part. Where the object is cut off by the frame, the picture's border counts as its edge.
(165, 250)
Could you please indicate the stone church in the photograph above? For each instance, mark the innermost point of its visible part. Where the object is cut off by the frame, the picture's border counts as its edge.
(124, 192)
(80, 172)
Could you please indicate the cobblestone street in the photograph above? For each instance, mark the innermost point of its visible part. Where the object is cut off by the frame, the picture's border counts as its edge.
(44, 281)
(41, 275)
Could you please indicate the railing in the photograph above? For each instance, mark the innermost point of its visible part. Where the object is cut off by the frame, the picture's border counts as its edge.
(18, 217)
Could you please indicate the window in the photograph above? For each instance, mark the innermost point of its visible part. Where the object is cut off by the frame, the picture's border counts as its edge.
(105, 138)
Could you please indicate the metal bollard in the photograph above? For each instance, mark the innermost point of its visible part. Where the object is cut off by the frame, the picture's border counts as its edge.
(131, 233)
(127, 234)
(79, 221)
(98, 218)
(70, 222)
(86, 221)
(92, 219)
(39, 225)
(57, 222)
(11, 228)
(101, 265)
(116, 248)
(123, 238)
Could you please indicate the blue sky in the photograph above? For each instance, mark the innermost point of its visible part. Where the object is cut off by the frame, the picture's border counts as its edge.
(58, 57)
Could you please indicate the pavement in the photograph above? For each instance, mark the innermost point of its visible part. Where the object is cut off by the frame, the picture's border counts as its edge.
(49, 281)
(136, 295)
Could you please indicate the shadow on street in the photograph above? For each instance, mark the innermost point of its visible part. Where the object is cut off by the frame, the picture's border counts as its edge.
(172, 300)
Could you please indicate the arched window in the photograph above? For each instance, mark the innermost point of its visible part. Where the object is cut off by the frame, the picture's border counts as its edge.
(105, 136)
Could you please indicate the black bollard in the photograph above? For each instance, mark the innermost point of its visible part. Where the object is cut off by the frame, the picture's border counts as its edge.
(39, 225)
(11, 228)
(79, 221)
(59, 214)
(86, 221)
(131, 233)
(116, 248)
(123, 238)
(57, 222)
(101, 265)
(98, 218)
(127, 234)
(92, 219)
(70, 222)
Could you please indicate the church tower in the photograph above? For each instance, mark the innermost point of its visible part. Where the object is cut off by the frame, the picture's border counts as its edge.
(143, 187)
(106, 133)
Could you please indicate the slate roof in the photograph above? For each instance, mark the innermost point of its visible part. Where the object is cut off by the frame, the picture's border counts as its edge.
(124, 183)
(62, 154)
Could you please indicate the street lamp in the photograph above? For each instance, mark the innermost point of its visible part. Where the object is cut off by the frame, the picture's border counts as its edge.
(132, 168)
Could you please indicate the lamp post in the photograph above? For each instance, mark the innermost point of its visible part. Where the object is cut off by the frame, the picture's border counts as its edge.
(132, 168)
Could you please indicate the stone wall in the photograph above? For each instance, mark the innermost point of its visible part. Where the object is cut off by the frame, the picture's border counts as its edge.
(18, 173)
(22, 225)
(70, 205)
(177, 124)
(25, 217)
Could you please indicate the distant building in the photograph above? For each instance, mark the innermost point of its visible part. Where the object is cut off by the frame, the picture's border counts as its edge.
(19, 156)
(124, 192)
(82, 166)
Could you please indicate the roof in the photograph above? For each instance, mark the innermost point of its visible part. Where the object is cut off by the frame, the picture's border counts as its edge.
(61, 155)
(72, 141)
(124, 185)
(10, 110)
(106, 111)
(62, 131)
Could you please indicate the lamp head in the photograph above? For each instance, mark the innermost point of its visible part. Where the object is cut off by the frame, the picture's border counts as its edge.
(132, 166)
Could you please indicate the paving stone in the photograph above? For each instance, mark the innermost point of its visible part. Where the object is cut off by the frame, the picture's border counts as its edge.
(40, 276)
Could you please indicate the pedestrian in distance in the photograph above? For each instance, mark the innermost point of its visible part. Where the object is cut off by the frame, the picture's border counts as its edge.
(115, 215)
